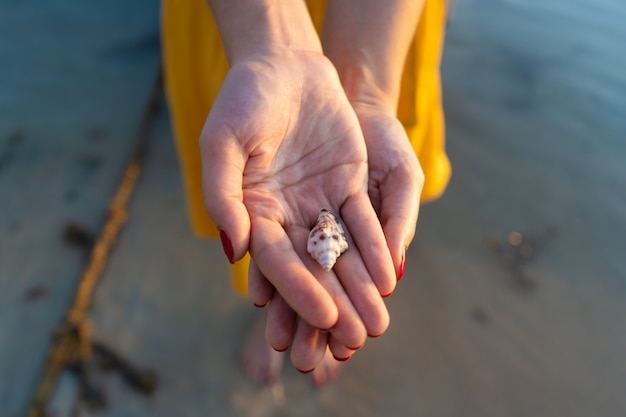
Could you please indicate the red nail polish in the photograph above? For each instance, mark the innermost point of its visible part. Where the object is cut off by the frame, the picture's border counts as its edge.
(374, 336)
(259, 305)
(306, 372)
(228, 246)
(342, 359)
(402, 265)
(387, 295)
(281, 350)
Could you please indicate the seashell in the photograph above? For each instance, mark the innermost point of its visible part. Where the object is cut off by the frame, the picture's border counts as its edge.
(327, 240)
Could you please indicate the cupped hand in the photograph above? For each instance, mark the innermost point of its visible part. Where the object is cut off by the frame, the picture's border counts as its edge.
(281, 143)
(395, 176)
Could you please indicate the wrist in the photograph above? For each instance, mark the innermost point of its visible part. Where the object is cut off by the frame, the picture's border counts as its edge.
(367, 86)
(249, 27)
(368, 41)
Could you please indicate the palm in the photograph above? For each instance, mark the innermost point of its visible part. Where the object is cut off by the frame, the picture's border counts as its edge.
(307, 157)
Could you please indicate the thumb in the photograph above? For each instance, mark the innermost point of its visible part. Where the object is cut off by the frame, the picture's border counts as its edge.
(223, 163)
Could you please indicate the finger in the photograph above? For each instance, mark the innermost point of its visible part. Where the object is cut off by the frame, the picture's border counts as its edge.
(366, 232)
(277, 260)
(339, 351)
(260, 290)
(281, 324)
(223, 162)
(400, 200)
(349, 328)
(309, 346)
(363, 293)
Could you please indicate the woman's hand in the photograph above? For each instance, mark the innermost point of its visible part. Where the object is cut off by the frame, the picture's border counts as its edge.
(282, 142)
(395, 178)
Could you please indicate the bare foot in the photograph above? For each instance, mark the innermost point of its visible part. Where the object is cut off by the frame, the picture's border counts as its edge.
(261, 363)
(328, 370)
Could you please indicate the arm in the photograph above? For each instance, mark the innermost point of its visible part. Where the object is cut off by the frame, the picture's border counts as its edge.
(367, 41)
(249, 27)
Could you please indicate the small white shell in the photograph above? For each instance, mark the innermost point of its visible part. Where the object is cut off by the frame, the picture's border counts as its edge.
(327, 241)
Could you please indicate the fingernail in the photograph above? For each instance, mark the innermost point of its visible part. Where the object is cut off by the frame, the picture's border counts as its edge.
(306, 372)
(402, 265)
(259, 305)
(281, 350)
(342, 359)
(356, 348)
(387, 295)
(374, 336)
(228, 246)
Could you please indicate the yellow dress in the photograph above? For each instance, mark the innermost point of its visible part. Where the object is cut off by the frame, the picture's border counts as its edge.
(195, 65)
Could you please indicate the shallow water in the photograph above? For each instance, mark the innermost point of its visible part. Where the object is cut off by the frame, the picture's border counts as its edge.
(535, 96)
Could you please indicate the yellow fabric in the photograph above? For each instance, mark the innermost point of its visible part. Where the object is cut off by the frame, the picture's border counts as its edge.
(195, 66)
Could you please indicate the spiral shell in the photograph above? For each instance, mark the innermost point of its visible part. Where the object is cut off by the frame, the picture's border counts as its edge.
(327, 241)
